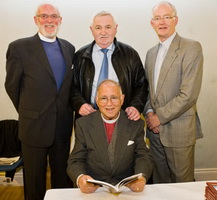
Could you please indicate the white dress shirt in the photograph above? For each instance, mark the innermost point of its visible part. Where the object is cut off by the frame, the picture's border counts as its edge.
(97, 56)
(162, 51)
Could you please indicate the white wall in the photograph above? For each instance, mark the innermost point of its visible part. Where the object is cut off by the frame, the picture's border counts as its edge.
(197, 20)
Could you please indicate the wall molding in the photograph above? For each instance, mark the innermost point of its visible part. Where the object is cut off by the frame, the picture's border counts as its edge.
(205, 174)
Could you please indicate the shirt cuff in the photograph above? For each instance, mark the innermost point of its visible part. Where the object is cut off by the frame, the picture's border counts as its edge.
(78, 179)
(149, 110)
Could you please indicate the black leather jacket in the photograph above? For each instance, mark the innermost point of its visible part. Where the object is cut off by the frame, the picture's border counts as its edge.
(128, 67)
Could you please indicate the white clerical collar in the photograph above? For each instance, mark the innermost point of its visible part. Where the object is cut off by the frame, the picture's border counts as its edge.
(110, 121)
(45, 38)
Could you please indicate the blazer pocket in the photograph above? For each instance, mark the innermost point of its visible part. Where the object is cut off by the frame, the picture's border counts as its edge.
(29, 114)
(130, 142)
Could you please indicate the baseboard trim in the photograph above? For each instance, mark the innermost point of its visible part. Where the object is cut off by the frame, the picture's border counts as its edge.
(18, 178)
(205, 174)
(200, 175)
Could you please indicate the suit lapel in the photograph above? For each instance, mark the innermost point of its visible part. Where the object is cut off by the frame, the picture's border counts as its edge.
(97, 133)
(151, 69)
(167, 63)
(38, 50)
(66, 55)
(122, 139)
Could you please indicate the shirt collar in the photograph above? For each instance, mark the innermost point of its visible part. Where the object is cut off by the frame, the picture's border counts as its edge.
(43, 38)
(96, 47)
(167, 42)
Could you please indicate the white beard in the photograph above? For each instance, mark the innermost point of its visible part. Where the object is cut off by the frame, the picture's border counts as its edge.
(49, 35)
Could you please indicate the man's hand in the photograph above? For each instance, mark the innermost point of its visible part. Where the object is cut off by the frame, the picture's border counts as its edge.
(153, 122)
(86, 187)
(86, 109)
(132, 113)
(137, 185)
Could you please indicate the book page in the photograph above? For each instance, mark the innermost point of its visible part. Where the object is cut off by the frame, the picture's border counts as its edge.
(128, 180)
(116, 188)
(102, 183)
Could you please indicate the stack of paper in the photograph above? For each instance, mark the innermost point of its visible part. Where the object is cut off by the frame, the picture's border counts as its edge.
(8, 161)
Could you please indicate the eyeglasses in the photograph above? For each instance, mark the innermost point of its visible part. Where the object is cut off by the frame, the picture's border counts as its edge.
(113, 99)
(46, 16)
(165, 18)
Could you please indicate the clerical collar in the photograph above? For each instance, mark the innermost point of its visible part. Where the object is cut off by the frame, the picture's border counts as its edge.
(110, 121)
(46, 39)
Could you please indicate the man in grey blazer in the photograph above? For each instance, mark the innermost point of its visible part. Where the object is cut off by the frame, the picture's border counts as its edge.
(174, 70)
(108, 145)
(38, 81)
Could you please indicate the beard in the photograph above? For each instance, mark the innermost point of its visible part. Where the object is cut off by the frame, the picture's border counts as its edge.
(47, 34)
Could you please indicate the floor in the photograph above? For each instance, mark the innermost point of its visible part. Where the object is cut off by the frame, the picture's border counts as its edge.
(14, 190)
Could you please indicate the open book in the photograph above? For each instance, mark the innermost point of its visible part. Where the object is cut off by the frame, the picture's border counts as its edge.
(116, 188)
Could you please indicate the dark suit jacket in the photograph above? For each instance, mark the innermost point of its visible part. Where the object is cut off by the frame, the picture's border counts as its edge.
(177, 92)
(31, 85)
(90, 153)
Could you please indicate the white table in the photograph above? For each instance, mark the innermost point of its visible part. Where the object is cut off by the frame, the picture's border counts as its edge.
(175, 191)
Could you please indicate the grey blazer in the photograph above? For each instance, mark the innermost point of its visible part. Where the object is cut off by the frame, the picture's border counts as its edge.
(90, 153)
(177, 91)
(31, 85)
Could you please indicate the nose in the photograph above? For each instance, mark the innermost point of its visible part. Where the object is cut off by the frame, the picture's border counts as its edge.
(103, 31)
(162, 20)
(109, 102)
(50, 19)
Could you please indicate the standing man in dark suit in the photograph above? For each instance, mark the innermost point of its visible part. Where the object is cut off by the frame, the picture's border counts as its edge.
(108, 145)
(38, 81)
(124, 66)
(174, 70)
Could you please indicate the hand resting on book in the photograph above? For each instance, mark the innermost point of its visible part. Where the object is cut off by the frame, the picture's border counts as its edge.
(86, 187)
(137, 185)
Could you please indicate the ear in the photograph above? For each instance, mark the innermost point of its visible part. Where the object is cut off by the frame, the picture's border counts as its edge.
(96, 100)
(36, 20)
(152, 23)
(176, 20)
(61, 20)
(122, 99)
(91, 28)
(116, 28)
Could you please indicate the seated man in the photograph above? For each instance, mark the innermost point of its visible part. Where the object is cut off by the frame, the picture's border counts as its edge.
(109, 146)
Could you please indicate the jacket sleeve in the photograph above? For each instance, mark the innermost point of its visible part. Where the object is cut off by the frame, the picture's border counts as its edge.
(77, 100)
(131, 75)
(14, 74)
(77, 159)
(139, 86)
(143, 159)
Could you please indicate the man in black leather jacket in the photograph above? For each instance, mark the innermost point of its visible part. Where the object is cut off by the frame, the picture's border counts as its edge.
(125, 67)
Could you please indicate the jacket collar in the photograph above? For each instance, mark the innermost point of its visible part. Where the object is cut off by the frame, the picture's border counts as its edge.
(89, 50)
(168, 61)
